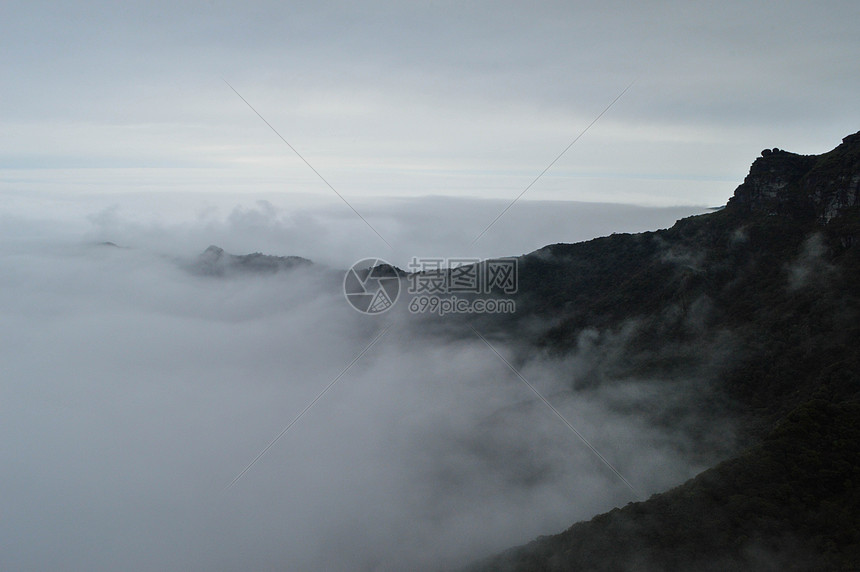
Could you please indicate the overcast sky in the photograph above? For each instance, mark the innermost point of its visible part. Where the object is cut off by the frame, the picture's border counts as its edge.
(405, 99)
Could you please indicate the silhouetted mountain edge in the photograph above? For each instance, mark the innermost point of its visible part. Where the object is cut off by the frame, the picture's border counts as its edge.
(775, 273)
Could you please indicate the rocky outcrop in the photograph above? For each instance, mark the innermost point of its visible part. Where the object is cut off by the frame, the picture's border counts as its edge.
(804, 187)
(769, 186)
(833, 184)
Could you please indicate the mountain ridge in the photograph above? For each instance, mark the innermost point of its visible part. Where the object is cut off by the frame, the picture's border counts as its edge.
(214, 261)
(776, 272)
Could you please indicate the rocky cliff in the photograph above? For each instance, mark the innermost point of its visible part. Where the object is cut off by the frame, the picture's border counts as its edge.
(805, 187)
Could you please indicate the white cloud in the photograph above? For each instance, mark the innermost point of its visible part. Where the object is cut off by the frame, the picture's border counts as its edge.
(323, 228)
(135, 391)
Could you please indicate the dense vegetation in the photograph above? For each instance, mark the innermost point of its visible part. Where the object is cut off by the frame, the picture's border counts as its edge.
(790, 503)
(776, 274)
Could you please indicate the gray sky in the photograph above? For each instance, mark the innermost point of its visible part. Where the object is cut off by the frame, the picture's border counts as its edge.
(403, 99)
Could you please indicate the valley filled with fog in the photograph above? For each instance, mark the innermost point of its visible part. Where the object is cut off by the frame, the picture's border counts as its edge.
(136, 389)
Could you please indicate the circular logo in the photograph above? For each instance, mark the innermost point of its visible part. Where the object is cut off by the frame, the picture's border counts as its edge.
(371, 286)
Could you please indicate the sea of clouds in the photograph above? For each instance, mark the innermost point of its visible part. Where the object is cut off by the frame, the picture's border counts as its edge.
(135, 391)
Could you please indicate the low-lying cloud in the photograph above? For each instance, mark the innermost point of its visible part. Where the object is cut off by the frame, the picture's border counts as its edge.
(135, 391)
(323, 228)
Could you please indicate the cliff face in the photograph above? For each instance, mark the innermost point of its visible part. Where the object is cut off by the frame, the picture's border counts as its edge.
(834, 183)
(805, 187)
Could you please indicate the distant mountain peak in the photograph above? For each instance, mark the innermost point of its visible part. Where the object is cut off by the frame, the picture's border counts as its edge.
(215, 261)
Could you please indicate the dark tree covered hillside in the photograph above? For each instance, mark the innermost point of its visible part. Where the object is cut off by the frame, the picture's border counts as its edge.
(776, 272)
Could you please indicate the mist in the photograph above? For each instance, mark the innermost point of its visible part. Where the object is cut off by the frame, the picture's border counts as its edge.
(136, 391)
(321, 227)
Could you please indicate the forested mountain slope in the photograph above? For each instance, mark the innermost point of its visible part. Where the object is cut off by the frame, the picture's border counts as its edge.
(769, 285)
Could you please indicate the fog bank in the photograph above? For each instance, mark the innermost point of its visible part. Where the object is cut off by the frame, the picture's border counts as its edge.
(135, 391)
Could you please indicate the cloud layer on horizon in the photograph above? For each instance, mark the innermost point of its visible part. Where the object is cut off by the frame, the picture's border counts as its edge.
(327, 232)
